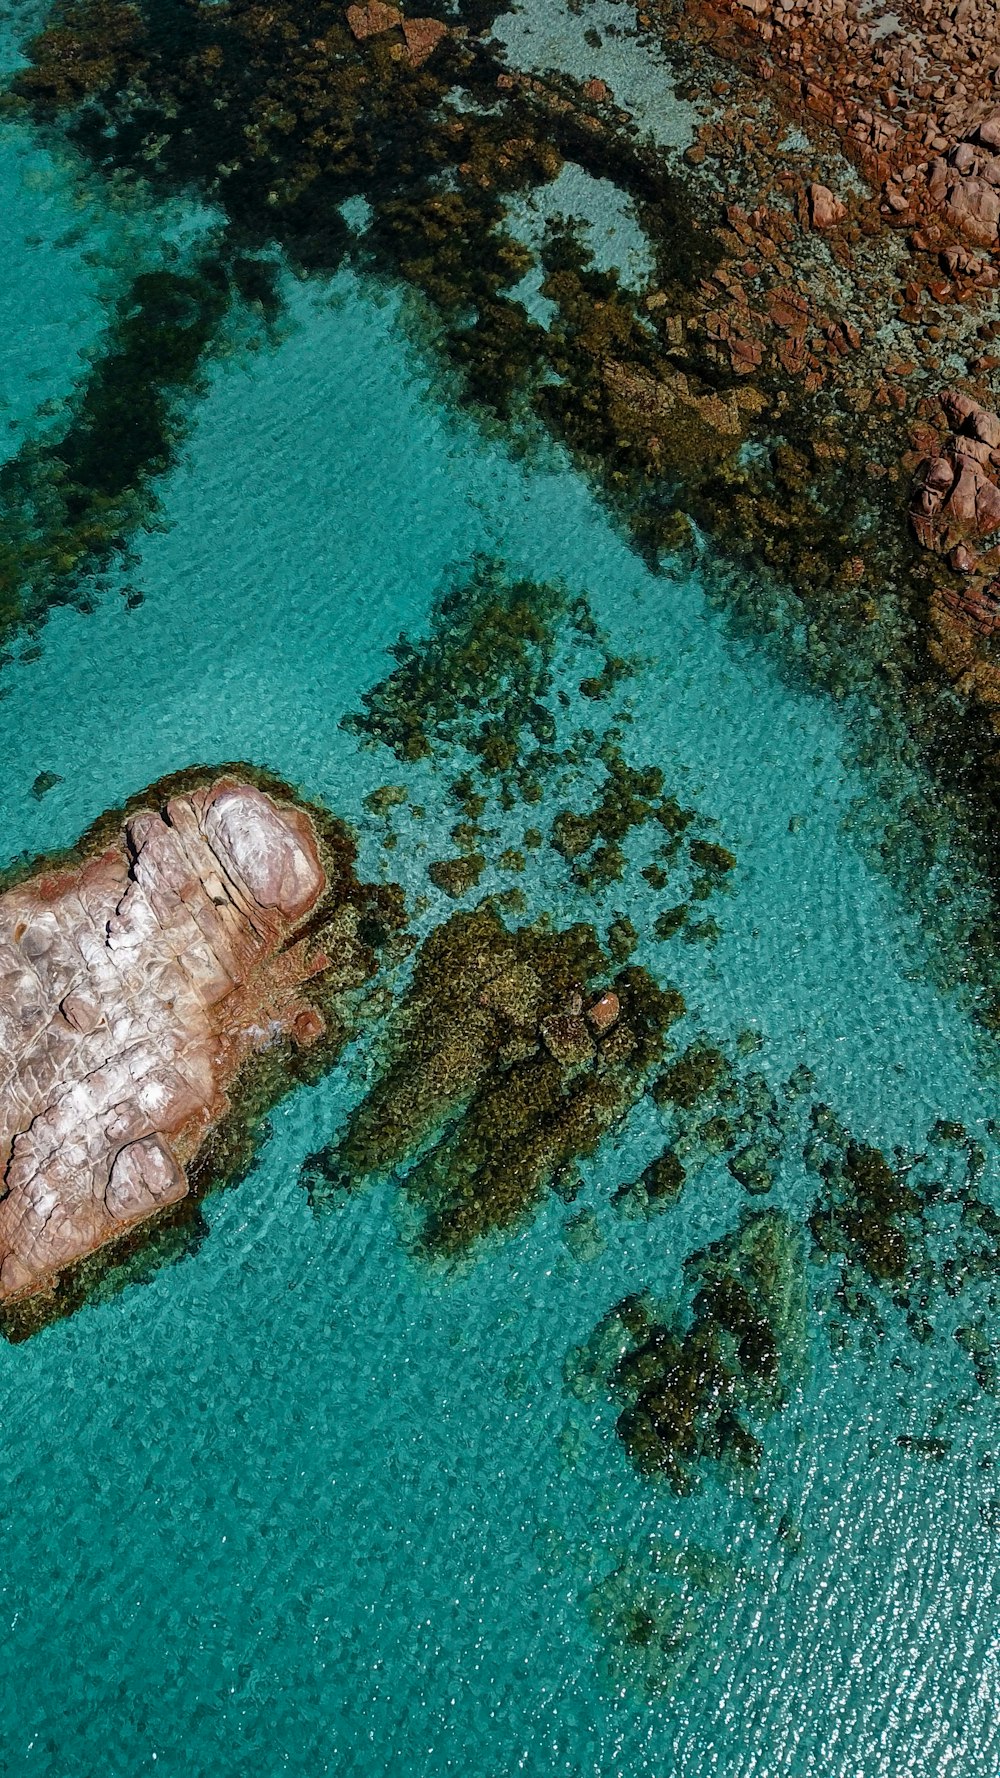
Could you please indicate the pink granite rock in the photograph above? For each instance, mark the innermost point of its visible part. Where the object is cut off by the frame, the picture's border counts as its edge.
(132, 990)
(374, 18)
(825, 211)
(973, 205)
(956, 507)
(422, 38)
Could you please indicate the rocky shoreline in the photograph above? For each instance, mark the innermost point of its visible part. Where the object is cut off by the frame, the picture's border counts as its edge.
(142, 985)
(783, 380)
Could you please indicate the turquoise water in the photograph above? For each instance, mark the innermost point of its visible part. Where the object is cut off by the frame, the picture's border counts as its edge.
(299, 1504)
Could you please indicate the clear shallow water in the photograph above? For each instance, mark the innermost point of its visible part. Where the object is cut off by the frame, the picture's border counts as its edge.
(297, 1505)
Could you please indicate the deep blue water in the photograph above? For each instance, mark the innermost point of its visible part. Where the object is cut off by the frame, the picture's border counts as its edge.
(298, 1504)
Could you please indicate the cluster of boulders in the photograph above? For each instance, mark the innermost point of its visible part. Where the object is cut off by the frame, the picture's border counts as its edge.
(956, 507)
(965, 185)
(132, 990)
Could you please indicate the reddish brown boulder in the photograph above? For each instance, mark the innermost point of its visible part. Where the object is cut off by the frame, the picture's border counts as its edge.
(973, 205)
(372, 19)
(989, 130)
(604, 1013)
(825, 211)
(132, 990)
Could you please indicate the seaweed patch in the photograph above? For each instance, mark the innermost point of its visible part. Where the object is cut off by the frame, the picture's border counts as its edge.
(513, 1053)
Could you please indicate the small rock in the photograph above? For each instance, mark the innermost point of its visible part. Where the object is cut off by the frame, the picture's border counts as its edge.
(604, 1013)
(45, 782)
(825, 211)
(582, 1235)
(372, 19)
(308, 1026)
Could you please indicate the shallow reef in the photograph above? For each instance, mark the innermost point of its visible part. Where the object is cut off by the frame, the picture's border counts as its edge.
(512, 1054)
(698, 1387)
(480, 680)
(649, 1614)
(913, 1237)
(734, 393)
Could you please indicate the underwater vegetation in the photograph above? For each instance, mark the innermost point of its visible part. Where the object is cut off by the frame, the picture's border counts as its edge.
(905, 1242)
(711, 1107)
(913, 1236)
(649, 1614)
(515, 1048)
(480, 678)
(698, 1387)
(483, 679)
(511, 1055)
(69, 502)
(354, 930)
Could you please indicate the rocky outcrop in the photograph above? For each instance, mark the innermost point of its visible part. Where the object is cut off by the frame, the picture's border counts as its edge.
(956, 508)
(133, 989)
(966, 184)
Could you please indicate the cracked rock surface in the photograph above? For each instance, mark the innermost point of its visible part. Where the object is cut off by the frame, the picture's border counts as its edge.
(132, 989)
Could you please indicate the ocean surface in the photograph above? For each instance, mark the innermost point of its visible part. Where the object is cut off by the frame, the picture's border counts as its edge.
(298, 1503)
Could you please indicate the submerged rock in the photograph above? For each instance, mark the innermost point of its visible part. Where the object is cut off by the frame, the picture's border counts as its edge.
(134, 986)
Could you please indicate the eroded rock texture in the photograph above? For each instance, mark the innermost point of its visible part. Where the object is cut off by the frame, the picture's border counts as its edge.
(132, 990)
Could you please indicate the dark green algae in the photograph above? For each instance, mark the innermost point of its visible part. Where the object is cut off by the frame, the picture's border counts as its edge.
(494, 1078)
(71, 502)
(696, 1386)
(278, 116)
(482, 679)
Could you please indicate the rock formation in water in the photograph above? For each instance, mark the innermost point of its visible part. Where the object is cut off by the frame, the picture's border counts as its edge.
(133, 989)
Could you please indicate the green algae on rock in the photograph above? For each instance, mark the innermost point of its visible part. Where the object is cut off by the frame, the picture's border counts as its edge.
(649, 1615)
(513, 1052)
(910, 1234)
(659, 1185)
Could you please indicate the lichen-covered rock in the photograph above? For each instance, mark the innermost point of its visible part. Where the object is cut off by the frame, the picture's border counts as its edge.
(132, 990)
